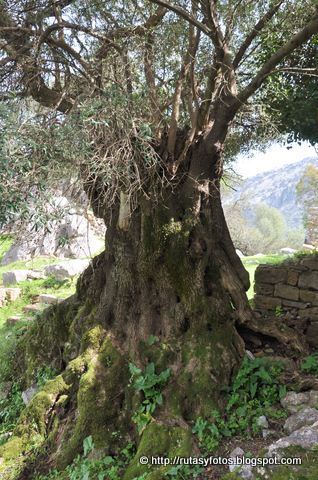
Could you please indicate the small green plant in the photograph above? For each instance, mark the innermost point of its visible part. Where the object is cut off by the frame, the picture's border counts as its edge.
(150, 384)
(310, 364)
(183, 472)
(255, 390)
(85, 468)
(44, 374)
(279, 312)
(10, 409)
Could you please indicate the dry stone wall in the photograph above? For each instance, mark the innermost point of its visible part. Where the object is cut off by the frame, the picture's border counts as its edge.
(290, 287)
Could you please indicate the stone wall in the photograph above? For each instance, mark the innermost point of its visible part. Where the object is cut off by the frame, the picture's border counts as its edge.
(290, 287)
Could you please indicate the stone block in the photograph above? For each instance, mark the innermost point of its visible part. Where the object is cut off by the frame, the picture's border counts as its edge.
(297, 305)
(28, 394)
(293, 276)
(308, 280)
(262, 302)
(270, 274)
(311, 262)
(13, 320)
(3, 297)
(286, 291)
(48, 299)
(65, 270)
(310, 313)
(309, 296)
(36, 275)
(264, 289)
(312, 334)
(16, 276)
(35, 308)
(13, 294)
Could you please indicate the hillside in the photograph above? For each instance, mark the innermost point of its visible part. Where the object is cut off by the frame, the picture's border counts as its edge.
(276, 188)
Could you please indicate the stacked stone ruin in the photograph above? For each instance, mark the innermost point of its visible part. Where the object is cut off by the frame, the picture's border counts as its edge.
(290, 287)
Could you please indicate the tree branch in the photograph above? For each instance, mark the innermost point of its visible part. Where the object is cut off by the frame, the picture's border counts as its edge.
(254, 33)
(296, 41)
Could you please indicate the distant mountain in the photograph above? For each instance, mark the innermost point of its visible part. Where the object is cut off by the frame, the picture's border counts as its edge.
(276, 188)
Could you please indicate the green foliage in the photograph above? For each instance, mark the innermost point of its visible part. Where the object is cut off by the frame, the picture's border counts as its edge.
(10, 408)
(150, 384)
(183, 472)
(255, 390)
(86, 467)
(310, 364)
(44, 374)
(279, 311)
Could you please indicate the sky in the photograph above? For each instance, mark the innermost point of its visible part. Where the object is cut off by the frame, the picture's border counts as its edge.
(276, 156)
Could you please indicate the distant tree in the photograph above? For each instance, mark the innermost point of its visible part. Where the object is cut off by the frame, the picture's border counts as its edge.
(307, 193)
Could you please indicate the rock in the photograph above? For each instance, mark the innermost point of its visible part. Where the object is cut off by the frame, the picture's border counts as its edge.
(270, 274)
(34, 308)
(312, 334)
(267, 433)
(294, 402)
(310, 313)
(2, 297)
(65, 270)
(298, 305)
(309, 297)
(303, 418)
(36, 275)
(13, 294)
(5, 389)
(310, 248)
(308, 280)
(286, 291)
(310, 261)
(4, 437)
(262, 302)
(305, 437)
(237, 452)
(262, 422)
(73, 235)
(287, 251)
(28, 394)
(264, 289)
(16, 276)
(13, 320)
(48, 299)
(293, 275)
(249, 355)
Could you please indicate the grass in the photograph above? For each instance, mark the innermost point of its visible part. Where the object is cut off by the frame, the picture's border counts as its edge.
(251, 263)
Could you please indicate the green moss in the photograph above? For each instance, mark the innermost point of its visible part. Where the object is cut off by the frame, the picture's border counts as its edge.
(100, 389)
(159, 440)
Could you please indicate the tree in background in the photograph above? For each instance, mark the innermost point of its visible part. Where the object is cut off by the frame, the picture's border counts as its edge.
(141, 98)
(307, 193)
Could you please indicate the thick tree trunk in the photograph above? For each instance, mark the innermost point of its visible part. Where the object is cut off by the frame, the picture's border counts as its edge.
(169, 271)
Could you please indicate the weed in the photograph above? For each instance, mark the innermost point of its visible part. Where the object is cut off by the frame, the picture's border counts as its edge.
(149, 383)
(310, 364)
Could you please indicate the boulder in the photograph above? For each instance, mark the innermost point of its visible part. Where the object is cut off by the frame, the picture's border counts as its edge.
(34, 308)
(3, 297)
(48, 299)
(294, 402)
(73, 235)
(262, 422)
(13, 320)
(286, 291)
(16, 276)
(308, 280)
(28, 394)
(270, 274)
(312, 334)
(36, 275)
(65, 270)
(304, 437)
(288, 251)
(305, 417)
(13, 294)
